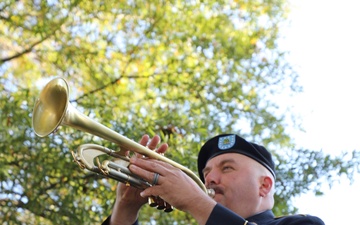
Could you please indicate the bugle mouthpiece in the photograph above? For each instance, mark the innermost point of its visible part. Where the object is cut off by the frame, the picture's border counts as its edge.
(211, 192)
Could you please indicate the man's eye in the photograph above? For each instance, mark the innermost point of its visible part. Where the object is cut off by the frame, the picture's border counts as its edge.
(205, 174)
(225, 168)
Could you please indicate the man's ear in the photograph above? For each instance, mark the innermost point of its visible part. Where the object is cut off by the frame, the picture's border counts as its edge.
(266, 186)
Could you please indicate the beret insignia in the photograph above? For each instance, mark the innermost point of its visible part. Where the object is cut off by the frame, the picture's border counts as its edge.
(226, 142)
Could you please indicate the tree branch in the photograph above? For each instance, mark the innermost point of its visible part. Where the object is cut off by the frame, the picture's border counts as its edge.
(25, 51)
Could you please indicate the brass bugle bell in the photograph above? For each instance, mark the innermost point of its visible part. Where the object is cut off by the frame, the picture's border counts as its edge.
(53, 109)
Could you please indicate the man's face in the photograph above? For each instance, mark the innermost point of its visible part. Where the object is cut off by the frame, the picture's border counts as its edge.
(236, 181)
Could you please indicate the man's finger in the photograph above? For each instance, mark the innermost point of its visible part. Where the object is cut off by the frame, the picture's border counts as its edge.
(154, 142)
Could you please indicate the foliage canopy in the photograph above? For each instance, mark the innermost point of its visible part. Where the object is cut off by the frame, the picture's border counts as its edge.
(186, 70)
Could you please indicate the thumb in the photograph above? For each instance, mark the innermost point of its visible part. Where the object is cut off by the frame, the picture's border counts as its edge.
(150, 191)
(144, 194)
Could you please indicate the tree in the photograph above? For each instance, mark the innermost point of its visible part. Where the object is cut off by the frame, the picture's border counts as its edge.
(184, 69)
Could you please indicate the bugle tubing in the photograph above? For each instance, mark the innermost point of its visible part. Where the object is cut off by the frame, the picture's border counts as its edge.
(53, 109)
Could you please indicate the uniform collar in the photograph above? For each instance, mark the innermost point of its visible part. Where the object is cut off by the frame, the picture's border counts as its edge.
(262, 218)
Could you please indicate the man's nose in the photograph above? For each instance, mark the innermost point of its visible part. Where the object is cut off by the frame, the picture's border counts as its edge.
(212, 177)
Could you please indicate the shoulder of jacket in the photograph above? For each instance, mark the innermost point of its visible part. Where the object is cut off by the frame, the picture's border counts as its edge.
(300, 219)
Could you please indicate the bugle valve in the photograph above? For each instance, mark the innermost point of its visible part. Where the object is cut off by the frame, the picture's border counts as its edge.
(53, 109)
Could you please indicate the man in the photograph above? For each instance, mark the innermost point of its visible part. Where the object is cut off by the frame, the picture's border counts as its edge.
(241, 173)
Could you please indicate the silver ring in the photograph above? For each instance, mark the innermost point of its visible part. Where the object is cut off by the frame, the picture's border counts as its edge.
(155, 180)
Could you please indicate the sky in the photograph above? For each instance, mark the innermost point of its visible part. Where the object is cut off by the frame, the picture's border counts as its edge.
(324, 44)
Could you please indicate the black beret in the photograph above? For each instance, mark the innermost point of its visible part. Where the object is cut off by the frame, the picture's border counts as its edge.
(232, 143)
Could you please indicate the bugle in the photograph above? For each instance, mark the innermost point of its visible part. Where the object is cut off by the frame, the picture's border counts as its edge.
(53, 109)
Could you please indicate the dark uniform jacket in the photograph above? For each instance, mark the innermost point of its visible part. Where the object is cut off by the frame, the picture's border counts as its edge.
(223, 216)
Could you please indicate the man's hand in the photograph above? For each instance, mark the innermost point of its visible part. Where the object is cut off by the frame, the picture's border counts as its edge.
(173, 186)
(128, 199)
